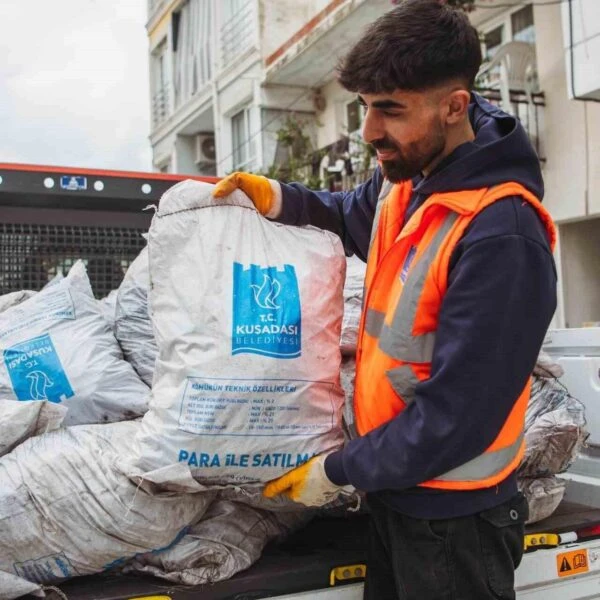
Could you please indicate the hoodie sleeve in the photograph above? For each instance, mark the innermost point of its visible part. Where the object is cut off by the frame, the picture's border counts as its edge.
(499, 303)
(349, 214)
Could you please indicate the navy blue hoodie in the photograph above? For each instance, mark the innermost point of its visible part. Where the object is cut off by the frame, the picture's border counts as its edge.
(500, 299)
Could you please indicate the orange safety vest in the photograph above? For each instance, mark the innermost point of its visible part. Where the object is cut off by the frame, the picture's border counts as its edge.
(405, 284)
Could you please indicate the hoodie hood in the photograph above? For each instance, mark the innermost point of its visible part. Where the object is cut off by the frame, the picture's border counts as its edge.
(501, 152)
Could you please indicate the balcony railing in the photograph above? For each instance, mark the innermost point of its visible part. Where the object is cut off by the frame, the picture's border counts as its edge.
(528, 108)
(160, 106)
(236, 33)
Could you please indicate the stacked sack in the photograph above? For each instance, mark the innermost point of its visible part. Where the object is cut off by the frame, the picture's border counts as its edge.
(56, 345)
(133, 327)
(244, 330)
(554, 434)
(353, 295)
(65, 509)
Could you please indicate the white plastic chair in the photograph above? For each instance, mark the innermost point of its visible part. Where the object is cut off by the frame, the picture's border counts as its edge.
(517, 64)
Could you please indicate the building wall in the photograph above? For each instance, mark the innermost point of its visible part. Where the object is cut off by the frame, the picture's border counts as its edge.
(332, 120)
(571, 128)
(279, 20)
(571, 174)
(571, 145)
(580, 253)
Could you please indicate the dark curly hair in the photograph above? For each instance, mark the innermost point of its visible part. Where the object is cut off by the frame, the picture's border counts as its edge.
(417, 45)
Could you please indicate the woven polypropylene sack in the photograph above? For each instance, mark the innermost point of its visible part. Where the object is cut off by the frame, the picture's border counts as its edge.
(353, 297)
(543, 495)
(133, 327)
(66, 509)
(229, 538)
(58, 346)
(21, 420)
(247, 317)
(555, 430)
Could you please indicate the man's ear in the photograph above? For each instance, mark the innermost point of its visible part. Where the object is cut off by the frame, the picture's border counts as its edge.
(457, 104)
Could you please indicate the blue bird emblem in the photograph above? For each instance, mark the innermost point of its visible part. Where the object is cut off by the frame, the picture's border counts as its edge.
(39, 382)
(266, 294)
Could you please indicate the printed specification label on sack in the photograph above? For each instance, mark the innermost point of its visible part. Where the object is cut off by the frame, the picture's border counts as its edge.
(252, 408)
(46, 569)
(36, 372)
(45, 308)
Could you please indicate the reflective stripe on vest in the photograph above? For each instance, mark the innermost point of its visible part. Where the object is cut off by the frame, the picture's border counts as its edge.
(486, 465)
(397, 339)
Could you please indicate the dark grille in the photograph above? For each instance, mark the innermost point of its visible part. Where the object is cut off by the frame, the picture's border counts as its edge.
(31, 255)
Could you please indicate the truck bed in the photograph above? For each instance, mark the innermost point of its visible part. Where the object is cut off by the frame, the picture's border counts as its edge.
(569, 516)
(303, 563)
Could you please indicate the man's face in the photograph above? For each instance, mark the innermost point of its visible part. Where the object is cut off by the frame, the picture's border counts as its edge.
(406, 129)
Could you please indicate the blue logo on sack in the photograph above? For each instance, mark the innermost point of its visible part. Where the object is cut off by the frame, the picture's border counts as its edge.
(36, 372)
(266, 311)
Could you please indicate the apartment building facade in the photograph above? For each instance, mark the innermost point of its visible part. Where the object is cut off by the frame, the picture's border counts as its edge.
(225, 75)
(228, 75)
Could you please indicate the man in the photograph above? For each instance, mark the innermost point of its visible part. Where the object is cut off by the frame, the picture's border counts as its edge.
(460, 289)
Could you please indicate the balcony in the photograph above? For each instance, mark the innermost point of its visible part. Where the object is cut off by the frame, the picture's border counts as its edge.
(160, 106)
(308, 57)
(509, 80)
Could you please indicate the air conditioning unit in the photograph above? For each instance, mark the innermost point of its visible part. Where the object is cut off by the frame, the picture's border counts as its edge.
(205, 149)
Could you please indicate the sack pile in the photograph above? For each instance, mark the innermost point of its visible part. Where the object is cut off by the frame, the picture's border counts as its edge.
(554, 434)
(133, 326)
(236, 321)
(353, 296)
(57, 345)
(66, 509)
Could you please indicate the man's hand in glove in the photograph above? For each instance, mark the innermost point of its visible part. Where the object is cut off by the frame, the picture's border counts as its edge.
(307, 484)
(265, 193)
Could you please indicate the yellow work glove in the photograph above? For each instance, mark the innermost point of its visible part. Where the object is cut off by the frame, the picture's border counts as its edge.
(256, 187)
(306, 484)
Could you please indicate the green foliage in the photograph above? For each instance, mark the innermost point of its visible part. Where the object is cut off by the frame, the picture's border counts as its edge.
(300, 156)
(298, 164)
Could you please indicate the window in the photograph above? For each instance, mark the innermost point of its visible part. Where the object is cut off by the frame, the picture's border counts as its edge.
(243, 146)
(159, 59)
(523, 29)
(492, 40)
(517, 25)
(192, 41)
(160, 84)
(354, 116)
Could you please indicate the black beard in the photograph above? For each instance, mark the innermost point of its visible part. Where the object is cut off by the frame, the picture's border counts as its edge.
(405, 168)
(397, 172)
